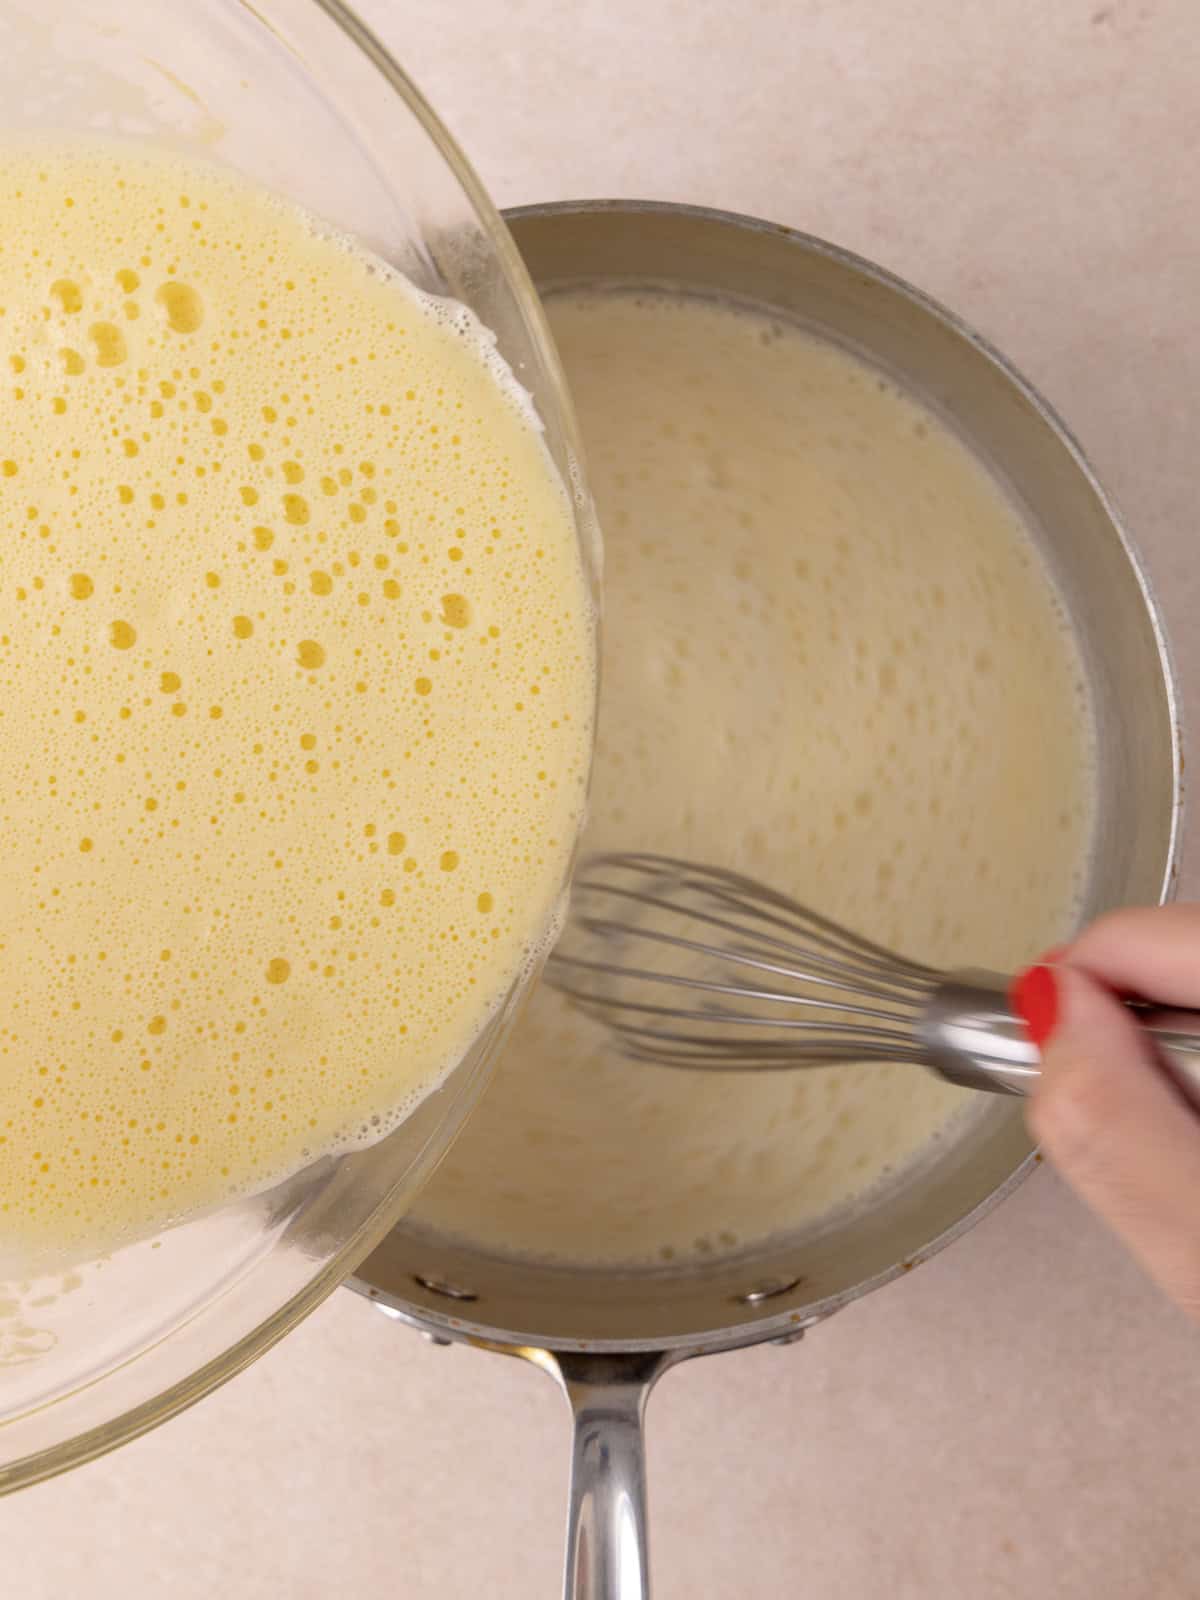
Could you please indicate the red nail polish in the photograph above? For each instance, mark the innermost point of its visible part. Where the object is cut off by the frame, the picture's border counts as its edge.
(1034, 997)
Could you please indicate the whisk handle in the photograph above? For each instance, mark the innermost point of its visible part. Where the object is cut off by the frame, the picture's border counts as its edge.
(970, 1036)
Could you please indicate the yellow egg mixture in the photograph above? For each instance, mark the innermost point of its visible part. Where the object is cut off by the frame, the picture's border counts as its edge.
(833, 660)
(296, 686)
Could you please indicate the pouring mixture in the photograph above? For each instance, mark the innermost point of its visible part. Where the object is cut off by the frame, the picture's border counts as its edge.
(296, 689)
(833, 660)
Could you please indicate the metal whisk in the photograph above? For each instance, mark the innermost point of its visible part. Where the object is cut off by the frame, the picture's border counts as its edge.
(692, 966)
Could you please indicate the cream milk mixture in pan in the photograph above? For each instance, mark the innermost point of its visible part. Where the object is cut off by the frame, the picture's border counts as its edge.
(833, 659)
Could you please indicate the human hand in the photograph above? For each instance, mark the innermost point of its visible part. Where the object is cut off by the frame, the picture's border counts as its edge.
(1104, 1111)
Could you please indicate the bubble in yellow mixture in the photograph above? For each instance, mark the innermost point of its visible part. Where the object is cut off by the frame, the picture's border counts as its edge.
(456, 613)
(181, 306)
(213, 972)
(109, 342)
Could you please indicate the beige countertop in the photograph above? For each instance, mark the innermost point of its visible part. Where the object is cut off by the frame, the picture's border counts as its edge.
(1020, 1416)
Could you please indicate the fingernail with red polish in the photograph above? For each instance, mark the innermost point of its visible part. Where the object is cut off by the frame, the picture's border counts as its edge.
(1034, 998)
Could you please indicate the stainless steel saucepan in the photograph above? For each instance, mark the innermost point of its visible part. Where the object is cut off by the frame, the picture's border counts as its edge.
(607, 1336)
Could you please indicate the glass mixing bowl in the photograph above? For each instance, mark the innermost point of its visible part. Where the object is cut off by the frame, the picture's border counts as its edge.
(298, 96)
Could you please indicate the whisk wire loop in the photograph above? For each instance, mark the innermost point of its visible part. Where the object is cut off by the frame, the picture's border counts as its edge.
(697, 967)
(646, 931)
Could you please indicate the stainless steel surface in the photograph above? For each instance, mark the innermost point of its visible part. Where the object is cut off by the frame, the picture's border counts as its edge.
(696, 967)
(542, 1312)
(607, 1549)
(969, 1034)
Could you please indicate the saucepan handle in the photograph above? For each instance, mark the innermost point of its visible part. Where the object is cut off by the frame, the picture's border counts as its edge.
(606, 1526)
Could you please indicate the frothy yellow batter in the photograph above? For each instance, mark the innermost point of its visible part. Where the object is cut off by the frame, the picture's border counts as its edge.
(295, 692)
(832, 660)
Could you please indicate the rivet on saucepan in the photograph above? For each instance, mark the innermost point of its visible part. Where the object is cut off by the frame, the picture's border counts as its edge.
(449, 1291)
(768, 1289)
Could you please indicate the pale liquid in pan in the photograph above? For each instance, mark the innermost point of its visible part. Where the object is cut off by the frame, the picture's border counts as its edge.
(296, 689)
(833, 660)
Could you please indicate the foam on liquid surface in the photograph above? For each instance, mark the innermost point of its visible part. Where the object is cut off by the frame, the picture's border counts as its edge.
(295, 692)
(832, 660)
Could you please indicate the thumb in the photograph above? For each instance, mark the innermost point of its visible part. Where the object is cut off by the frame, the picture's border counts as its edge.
(1114, 1125)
